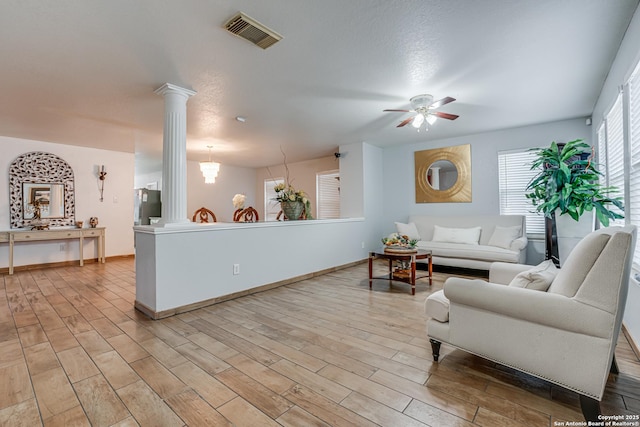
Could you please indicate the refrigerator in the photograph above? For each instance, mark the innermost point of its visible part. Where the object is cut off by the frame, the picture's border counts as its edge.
(146, 206)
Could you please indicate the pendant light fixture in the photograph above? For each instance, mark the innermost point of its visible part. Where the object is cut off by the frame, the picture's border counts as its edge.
(209, 169)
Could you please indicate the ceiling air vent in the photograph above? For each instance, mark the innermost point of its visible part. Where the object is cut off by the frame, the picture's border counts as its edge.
(250, 29)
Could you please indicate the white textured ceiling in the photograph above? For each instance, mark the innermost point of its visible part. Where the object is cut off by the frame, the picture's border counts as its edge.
(83, 72)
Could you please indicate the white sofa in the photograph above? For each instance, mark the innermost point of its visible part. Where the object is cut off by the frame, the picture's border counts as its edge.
(502, 238)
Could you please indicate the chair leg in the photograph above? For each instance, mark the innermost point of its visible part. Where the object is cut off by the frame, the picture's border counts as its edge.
(590, 408)
(614, 366)
(435, 349)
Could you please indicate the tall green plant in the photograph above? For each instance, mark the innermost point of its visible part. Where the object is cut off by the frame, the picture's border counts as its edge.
(568, 181)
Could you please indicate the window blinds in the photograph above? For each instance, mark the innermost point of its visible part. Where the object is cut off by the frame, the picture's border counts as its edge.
(615, 150)
(634, 145)
(514, 174)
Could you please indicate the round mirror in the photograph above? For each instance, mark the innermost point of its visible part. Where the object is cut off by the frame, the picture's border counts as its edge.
(442, 175)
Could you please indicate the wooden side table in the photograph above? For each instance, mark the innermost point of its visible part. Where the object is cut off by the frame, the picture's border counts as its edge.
(401, 274)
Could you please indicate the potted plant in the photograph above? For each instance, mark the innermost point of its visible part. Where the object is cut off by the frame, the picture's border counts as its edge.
(567, 187)
(295, 204)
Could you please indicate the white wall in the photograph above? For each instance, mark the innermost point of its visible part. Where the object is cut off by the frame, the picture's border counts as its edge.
(115, 213)
(361, 190)
(352, 180)
(399, 176)
(302, 176)
(217, 197)
(146, 180)
(375, 198)
(179, 266)
(624, 64)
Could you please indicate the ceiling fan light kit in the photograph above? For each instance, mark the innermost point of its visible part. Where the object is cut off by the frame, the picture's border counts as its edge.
(423, 108)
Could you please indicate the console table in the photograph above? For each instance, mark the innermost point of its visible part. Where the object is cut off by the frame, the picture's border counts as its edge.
(80, 234)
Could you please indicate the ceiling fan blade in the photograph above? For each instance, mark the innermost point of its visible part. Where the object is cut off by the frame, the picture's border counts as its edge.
(406, 122)
(445, 115)
(441, 102)
(399, 111)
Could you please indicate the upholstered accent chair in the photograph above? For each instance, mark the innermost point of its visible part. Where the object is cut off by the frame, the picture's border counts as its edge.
(566, 334)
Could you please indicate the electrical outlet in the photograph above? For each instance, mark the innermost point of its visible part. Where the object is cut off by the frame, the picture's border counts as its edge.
(115, 199)
(362, 245)
(236, 269)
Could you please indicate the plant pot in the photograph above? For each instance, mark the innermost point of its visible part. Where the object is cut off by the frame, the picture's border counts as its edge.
(292, 210)
(569, 232)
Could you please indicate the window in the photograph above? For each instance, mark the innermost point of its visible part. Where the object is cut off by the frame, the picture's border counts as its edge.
(514, 174)
(271, 206)
(619, 143)
(613, 166)
(328, 193)
(634, 145)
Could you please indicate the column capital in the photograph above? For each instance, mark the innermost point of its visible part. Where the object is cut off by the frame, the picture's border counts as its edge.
(173, 89)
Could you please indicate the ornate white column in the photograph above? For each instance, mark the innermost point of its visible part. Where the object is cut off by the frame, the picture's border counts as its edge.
(174, 154)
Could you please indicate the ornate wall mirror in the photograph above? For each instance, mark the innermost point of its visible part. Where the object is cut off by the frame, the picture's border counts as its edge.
(41, 183)
(443, 175)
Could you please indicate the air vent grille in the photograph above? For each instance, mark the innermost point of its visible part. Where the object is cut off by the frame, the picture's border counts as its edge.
(249, 29)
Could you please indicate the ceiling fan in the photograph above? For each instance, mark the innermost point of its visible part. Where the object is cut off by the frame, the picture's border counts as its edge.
(423, 108)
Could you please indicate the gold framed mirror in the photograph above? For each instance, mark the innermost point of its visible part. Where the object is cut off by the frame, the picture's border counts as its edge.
(443, 175)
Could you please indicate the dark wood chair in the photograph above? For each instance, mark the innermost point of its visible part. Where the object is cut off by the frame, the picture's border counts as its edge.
(204, 215)
(249, 214)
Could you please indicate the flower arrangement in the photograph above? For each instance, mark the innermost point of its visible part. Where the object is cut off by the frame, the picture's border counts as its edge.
(397, 240)
(238, 201)
(285, 192)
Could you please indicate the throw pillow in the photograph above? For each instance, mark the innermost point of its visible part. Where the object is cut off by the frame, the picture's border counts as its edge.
(538, 278)
(469, 236)
(502, 237)
(410, 230)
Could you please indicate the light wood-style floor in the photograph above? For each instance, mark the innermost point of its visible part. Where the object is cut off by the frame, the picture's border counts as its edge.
(324, 351)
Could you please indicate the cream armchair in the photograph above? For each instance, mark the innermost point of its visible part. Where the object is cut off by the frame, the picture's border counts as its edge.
(566, 335)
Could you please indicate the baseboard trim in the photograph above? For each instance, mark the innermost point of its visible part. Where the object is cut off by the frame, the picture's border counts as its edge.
(72, 263)
(632, 343)
(156, 315)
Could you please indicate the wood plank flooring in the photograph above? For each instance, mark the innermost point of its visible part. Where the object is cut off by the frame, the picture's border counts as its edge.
(321, 352)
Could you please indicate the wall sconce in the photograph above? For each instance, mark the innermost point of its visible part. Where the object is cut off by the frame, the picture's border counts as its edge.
(102, 175)
(209, 169)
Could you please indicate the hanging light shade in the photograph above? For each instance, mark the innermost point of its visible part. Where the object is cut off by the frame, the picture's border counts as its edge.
(209, 169)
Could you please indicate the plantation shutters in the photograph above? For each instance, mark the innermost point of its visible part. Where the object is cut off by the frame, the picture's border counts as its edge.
(328, 194)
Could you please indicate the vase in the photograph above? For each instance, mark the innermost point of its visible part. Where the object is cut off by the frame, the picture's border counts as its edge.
(292, 210)
(569, 232)
(93, 221)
